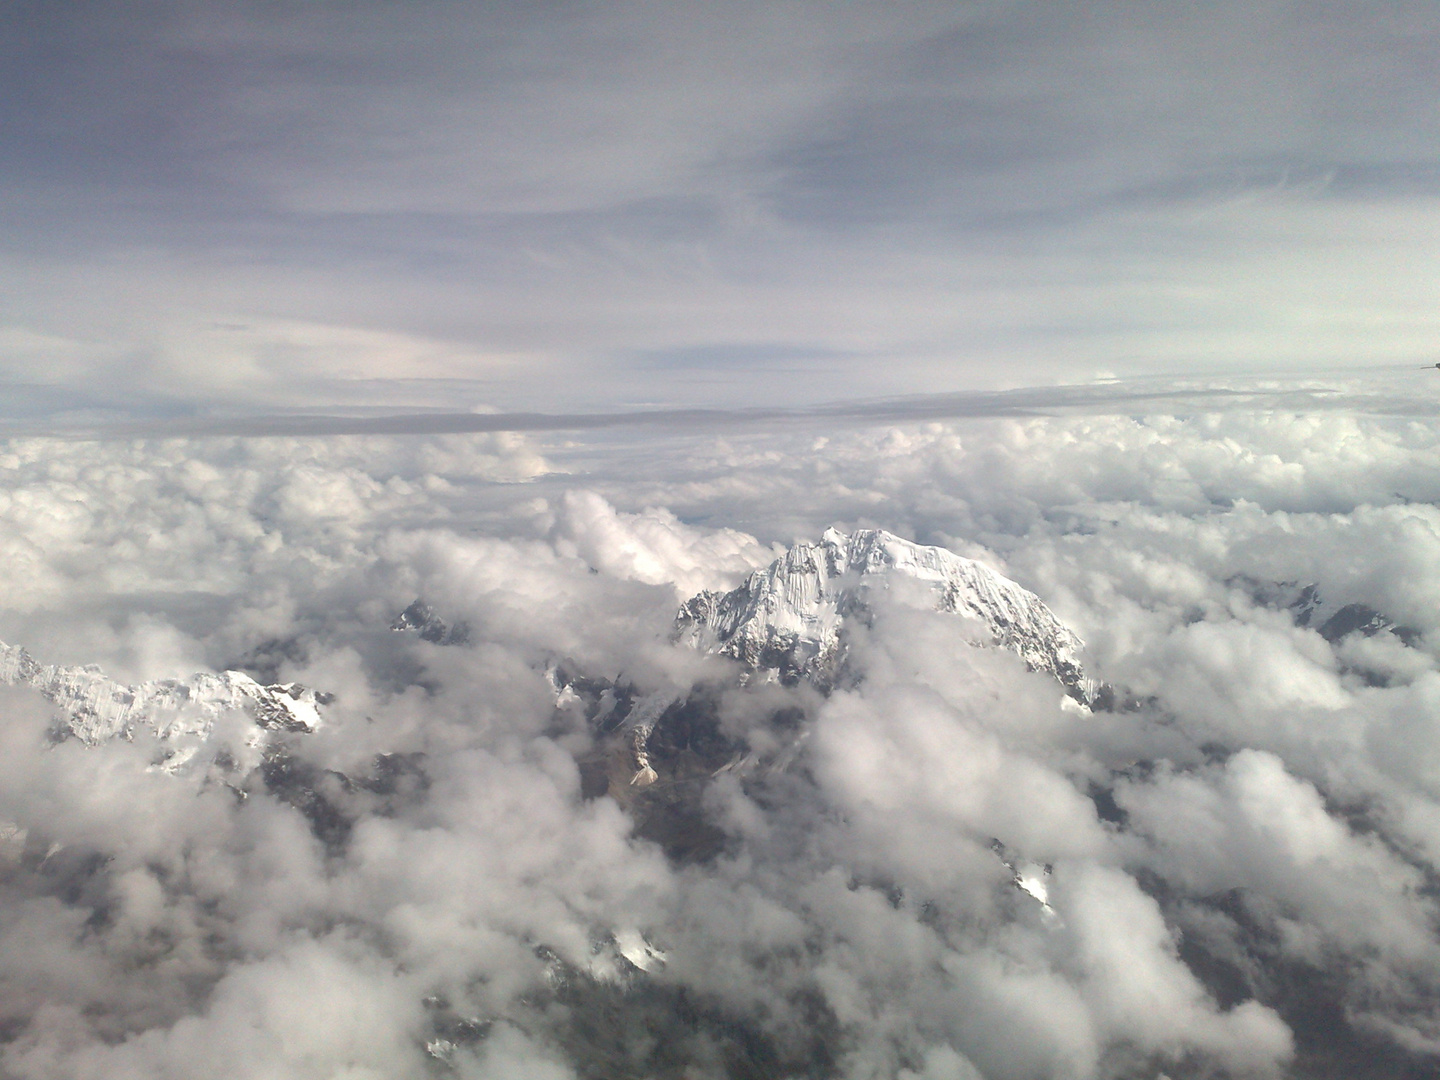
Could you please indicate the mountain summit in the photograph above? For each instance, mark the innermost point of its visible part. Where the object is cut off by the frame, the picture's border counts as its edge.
(790, 616)
(94, 707)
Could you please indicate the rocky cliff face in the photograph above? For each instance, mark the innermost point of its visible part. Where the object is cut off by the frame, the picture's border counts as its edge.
(791, 616)
(421, 618)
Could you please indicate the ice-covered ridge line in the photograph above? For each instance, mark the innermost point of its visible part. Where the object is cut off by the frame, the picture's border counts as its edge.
(788, 616)
(97, 707)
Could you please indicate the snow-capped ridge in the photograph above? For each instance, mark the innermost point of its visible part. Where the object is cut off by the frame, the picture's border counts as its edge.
(96, 707)
(788, 617)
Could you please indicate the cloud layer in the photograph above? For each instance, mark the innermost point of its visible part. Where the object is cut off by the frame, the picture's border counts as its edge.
(1240, 861)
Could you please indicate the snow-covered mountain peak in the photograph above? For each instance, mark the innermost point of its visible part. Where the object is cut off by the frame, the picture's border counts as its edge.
(788, 617)
(95, 707)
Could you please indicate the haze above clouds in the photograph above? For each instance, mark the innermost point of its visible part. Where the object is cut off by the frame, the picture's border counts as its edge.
(567, 206)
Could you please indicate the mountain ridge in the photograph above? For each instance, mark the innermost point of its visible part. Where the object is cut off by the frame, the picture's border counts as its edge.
(789, 617)
(96, 707)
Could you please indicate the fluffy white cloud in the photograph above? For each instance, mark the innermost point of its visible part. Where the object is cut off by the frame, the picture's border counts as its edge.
(1259, 814)
(654, 546)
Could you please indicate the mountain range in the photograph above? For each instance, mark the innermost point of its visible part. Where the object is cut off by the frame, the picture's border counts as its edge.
(93, 707)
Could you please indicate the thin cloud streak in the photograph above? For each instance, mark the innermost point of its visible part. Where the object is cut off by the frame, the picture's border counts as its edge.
(1411, 391)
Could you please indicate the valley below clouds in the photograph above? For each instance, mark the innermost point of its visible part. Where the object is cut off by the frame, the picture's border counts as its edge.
(941, 864)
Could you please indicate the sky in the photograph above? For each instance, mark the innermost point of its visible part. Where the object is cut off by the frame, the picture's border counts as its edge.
(211, 209)
(557, 316)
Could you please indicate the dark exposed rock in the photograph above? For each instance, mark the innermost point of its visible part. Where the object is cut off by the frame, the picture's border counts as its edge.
(421, 618)
(333, 801)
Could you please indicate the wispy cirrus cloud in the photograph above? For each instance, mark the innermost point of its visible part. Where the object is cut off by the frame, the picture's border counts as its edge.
(546, 200)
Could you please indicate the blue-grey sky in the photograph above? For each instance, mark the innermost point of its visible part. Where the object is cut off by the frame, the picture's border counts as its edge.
(555, 205)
